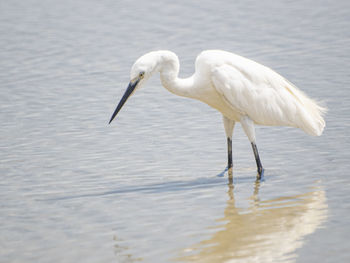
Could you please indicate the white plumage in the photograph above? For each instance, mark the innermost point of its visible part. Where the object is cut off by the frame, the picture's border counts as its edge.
(260, 93)
(242, 90)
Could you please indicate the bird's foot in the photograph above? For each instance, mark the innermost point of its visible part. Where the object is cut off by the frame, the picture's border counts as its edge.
(222, 174)
(228, 170)
(229, 173)
(260, 175)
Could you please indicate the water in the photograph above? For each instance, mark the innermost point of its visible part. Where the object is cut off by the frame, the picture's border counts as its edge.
(144, 189)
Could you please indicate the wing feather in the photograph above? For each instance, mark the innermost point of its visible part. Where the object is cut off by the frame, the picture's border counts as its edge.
(266, 97)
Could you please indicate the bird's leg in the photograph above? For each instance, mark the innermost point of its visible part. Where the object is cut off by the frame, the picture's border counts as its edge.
(249, 129)
(229, 156)
(229, 125)
(258, 162)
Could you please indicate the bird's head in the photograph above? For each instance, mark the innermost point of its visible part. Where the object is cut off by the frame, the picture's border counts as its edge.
(141, 71)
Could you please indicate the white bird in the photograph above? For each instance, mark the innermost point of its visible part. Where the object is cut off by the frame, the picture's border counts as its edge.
(242, 90)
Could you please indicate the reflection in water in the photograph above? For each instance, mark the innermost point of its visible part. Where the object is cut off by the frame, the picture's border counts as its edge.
(266, 231)
(121, 252)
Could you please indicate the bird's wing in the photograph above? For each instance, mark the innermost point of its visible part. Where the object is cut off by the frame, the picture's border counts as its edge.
(257, 92)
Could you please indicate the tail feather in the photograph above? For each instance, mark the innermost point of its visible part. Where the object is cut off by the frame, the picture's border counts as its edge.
(311, 112)
(314, 123)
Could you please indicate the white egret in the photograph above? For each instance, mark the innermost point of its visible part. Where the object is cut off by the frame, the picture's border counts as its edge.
(242, 90)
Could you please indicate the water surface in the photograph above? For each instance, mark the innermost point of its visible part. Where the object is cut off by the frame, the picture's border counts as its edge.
(145, 188)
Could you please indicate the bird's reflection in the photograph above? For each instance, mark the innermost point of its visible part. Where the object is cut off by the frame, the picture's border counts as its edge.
(265, 231)
(121, 252)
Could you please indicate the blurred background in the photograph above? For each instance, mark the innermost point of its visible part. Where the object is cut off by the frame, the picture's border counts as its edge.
(145, 188)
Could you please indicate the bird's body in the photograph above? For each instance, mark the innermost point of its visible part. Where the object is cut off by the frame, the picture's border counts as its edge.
(242, 90)
(237, 86)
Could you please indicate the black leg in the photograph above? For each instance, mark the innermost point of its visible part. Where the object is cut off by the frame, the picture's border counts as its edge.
(229, 156)
(258, 162)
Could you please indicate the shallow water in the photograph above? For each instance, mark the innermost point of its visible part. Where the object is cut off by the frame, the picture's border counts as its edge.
(145, 188)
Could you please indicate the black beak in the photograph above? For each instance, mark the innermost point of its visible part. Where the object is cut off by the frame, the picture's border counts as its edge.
(128, 92)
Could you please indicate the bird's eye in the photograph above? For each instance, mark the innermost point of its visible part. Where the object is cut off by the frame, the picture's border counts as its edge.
(141, 75)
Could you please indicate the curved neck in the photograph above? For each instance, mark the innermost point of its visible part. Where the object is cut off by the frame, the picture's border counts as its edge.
(178, 86)
(168, 66)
